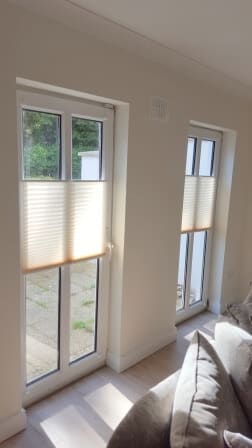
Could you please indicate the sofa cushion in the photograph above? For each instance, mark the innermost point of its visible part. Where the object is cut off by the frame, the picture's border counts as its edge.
(234, 347)
(248, 298)
(241, 313)
(205, 403)
(147, 424)
(236, 440)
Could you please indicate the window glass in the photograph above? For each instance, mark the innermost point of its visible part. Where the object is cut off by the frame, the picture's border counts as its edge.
(190, 156)
(197, 271)
(84, 284)
(182, 271)
(42, 323)
(206, 158)
(41, 145)
(86, 149)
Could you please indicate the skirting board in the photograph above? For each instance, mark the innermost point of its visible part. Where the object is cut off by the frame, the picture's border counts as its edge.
(121, 363)
(12, 425)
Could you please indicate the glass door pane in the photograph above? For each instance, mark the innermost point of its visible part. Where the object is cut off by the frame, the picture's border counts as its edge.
(83, 308)
(190, 158)
(206, 158)
(182, 272)
(41, 145)
(42, 323)
(197, 270)
(86, 149)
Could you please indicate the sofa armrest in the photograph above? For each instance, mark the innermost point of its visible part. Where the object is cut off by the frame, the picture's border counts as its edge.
(147, 424)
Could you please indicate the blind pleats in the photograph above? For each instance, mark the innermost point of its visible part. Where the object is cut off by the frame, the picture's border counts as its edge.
(62, 222)
(198, 204)
(86, 220)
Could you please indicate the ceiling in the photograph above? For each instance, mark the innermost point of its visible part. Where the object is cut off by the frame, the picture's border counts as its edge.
(217, 34)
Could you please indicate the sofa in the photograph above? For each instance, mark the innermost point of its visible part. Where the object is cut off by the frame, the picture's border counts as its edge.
(207, 404)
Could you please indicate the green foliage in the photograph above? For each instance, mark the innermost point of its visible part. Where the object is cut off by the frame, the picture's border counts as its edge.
(81, 324)
(78, 324)
(41, 304)
(41, 143)
(85, 135)
(41, 162)
(87, 302)
(40, 128)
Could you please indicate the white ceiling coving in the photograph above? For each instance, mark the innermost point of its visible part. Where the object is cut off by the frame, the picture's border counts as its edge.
(217, 34)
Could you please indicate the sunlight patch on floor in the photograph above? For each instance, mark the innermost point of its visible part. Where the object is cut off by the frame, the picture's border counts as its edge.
(68, 428)
(109, 403)
(210, 325)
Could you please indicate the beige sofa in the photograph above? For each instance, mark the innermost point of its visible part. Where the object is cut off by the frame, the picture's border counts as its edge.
(193, 407)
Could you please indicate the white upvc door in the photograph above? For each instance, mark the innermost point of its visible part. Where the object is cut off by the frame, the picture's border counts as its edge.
(202, 159)
(65, 308)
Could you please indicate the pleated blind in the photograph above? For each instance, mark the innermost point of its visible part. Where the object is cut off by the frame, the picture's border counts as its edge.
(62, 222)
(198, 205)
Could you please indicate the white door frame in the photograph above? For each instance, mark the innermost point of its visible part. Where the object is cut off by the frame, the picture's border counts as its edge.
(68, 107)
(190, 310)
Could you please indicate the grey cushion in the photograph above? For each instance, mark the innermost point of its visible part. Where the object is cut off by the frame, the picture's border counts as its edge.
(148, 422)
(236, 440)
(234, 347)
(241, 313)
(248, 298)
(205, 403)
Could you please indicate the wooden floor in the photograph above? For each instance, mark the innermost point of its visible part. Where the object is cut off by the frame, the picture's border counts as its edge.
(85, 414)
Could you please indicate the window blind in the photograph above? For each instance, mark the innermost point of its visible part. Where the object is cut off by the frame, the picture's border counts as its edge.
(62, 222)
(198, 204)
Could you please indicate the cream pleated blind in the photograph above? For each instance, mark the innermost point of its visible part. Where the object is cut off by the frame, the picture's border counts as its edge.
(198, 205)
(62, 222)
(86, 220)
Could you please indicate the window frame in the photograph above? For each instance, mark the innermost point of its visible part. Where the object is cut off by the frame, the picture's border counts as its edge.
(68, 107)
(189, 310)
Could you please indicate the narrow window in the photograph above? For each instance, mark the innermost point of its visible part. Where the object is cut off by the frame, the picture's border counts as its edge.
(197, 220)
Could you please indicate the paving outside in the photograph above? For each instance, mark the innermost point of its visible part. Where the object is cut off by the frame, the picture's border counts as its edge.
(42, 317)
(180, 297)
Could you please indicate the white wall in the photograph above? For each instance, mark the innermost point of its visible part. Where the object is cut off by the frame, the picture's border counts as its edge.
(246, 240)
(223, 276)
(10, 367)
(148, 252)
